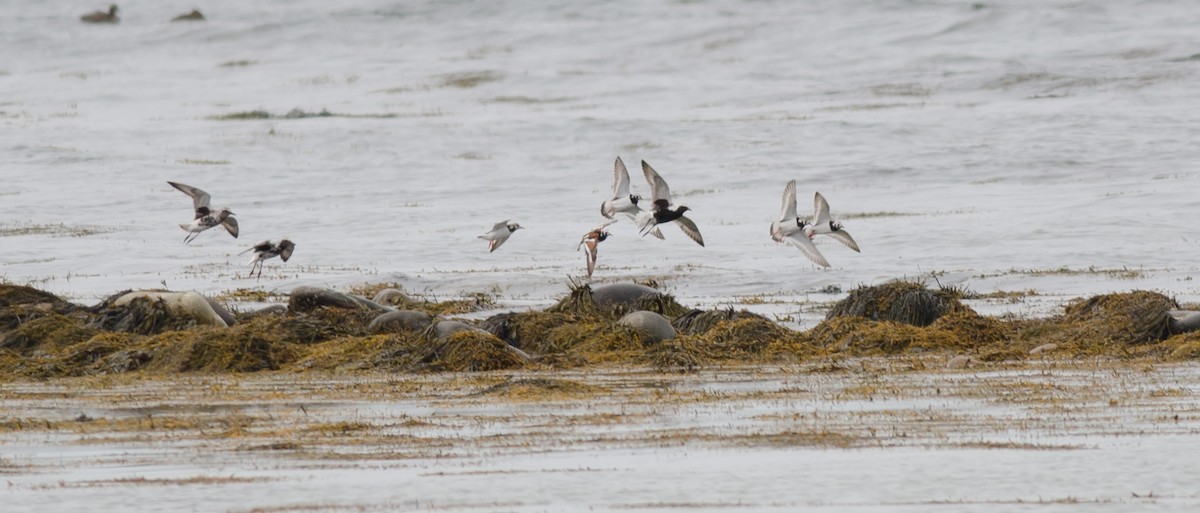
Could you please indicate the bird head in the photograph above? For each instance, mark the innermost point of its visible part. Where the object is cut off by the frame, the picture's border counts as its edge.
(512, 227)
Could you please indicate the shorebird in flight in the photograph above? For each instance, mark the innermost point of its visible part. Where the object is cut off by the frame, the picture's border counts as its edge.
(267, 250)
(205, 216)
(822, 224)
(500, 233)
(791, 229)
(622, 201)
(663, 211)
(590, 242)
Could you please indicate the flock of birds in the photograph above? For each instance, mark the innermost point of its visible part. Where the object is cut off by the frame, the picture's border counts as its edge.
(789, 228)
(206, 217)
(110, 16)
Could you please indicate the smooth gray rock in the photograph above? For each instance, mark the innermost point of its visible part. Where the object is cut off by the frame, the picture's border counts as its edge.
(185, 304)
(304, 299)
(1183, 321)
(391, 297)
(266, 310)
(399, 321)
(627, 295)
(655, 326)
(444, 329)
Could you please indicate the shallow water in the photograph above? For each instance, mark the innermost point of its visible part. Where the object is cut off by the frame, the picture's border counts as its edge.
(1080, 436)
(976, 141)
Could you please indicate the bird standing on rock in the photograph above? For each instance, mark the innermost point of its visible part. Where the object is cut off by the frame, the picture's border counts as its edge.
(500, 233)
(663, 211)
(205, 217)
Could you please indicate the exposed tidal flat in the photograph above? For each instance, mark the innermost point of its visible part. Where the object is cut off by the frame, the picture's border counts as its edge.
(858, 434)
(902, 399)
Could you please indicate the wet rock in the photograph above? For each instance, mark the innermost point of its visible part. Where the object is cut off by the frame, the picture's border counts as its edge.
(618, 295)
(656, 327)
(154, 311)
(400, 321)
(897, 301)
(443, 329)
(272, 310)
(1138, 317)
(527, 330)
(1183, 321)
(391, 296)
(699, 322)
(306, 299)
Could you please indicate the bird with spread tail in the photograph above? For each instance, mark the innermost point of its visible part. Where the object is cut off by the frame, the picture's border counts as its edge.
(663, 211)
(267, 250)
(205, 217)
(622, 201)
(590, 243)
(499, 234)
(793, 230)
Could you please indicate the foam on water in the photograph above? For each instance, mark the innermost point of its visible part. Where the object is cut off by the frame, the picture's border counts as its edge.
(1007, 136)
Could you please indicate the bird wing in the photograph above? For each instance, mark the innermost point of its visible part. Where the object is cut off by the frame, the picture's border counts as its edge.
(788, 208)
(806, 246)
(820, 209)
(843, 237)
(231, 226)
(620, 179)
(689, 229)
(502, 224)
(262, 246)
(199, 197)
(286, 247)
(590, 247)
(658, 186)
(495, 243)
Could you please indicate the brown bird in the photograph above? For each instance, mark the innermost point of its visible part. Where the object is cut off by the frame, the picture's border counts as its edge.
(195, 15)
(101, 16)
(591, 240)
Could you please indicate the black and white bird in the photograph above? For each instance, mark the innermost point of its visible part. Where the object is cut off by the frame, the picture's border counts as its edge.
(663, 211)
(500, 233)
(205, 216)
(622, 200)
(267, 250)
(791, 229)
(822, 224)
(590, 243)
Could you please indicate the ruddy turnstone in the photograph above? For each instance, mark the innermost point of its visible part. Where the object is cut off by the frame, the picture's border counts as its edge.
(269, 249)
(101, 16)
(622, 200)
(590, 242)
(822, 225)
(663, 211)
(791, 229)
(205, 217)
(500, 233)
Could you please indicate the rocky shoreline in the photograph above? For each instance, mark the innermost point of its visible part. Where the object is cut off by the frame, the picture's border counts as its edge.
(165, 332)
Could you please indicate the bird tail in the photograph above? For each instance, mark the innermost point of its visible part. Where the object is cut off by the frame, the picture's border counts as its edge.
(186, 227)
